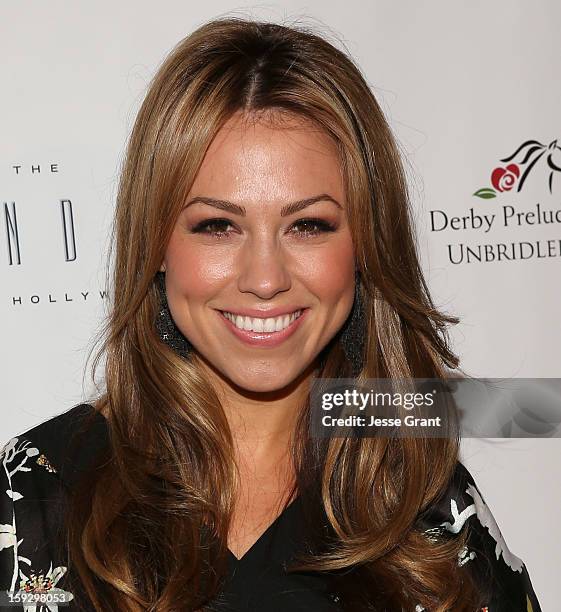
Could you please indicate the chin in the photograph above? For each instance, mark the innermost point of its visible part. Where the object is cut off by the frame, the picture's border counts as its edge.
(262, 382)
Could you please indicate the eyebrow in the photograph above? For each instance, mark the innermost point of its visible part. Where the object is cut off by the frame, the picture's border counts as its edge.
(287, 209)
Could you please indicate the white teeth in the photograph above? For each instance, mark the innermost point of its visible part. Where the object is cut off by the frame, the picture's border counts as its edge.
(271, 324)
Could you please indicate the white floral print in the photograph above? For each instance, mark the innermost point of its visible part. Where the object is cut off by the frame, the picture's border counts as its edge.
(15, 456)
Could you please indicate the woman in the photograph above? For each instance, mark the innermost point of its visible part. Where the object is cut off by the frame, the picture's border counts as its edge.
(262, 239)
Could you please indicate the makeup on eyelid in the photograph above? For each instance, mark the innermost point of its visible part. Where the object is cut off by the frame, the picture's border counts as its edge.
(321, 226)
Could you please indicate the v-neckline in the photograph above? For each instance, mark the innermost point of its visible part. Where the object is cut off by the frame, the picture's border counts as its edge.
(251, 550)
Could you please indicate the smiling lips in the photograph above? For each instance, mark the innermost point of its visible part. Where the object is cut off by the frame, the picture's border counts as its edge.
(259, 331)
(258, 324)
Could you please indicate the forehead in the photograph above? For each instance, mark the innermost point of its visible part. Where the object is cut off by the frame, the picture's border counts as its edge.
(258, 159)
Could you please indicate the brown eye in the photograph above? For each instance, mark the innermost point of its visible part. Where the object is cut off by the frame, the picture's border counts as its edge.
(212, 227)
(314, 227)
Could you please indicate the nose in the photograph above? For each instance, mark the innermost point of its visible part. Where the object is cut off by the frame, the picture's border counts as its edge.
(263, 271)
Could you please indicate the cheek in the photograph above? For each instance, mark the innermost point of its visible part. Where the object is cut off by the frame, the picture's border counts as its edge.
(194, 273)
(331, 274)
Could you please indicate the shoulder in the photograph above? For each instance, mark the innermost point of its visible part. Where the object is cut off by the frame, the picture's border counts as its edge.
(63, 444)
(451, 511)
(463, 508)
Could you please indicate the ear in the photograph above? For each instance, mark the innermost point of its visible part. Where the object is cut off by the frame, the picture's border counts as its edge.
(163, 268)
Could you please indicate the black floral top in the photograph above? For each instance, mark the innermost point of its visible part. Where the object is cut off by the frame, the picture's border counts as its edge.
(37, 469)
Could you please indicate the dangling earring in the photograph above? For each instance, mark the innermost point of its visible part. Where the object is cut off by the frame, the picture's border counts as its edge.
(354, 331)
(167, 329)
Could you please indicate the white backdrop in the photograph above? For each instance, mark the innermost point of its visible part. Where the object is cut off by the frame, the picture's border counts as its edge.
(463, 86)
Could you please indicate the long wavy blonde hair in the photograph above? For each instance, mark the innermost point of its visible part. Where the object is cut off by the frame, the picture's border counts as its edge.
(149, 532)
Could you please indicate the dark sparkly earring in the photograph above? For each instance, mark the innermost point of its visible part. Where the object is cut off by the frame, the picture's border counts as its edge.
(354, 331)
(167, 329)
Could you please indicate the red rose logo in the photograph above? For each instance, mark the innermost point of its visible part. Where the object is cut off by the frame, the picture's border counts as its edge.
(503, 179)
(527, 155)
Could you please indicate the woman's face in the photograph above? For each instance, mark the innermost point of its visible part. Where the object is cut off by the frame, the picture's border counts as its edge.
(246, 244)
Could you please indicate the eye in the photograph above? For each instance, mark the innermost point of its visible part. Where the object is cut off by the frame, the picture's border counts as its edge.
(205, 227)
(217, 227)
(314, 227)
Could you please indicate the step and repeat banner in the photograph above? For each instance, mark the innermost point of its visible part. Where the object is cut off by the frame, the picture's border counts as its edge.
(470, 90)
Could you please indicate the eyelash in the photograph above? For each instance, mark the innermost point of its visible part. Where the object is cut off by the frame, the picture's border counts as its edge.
(325, 227)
